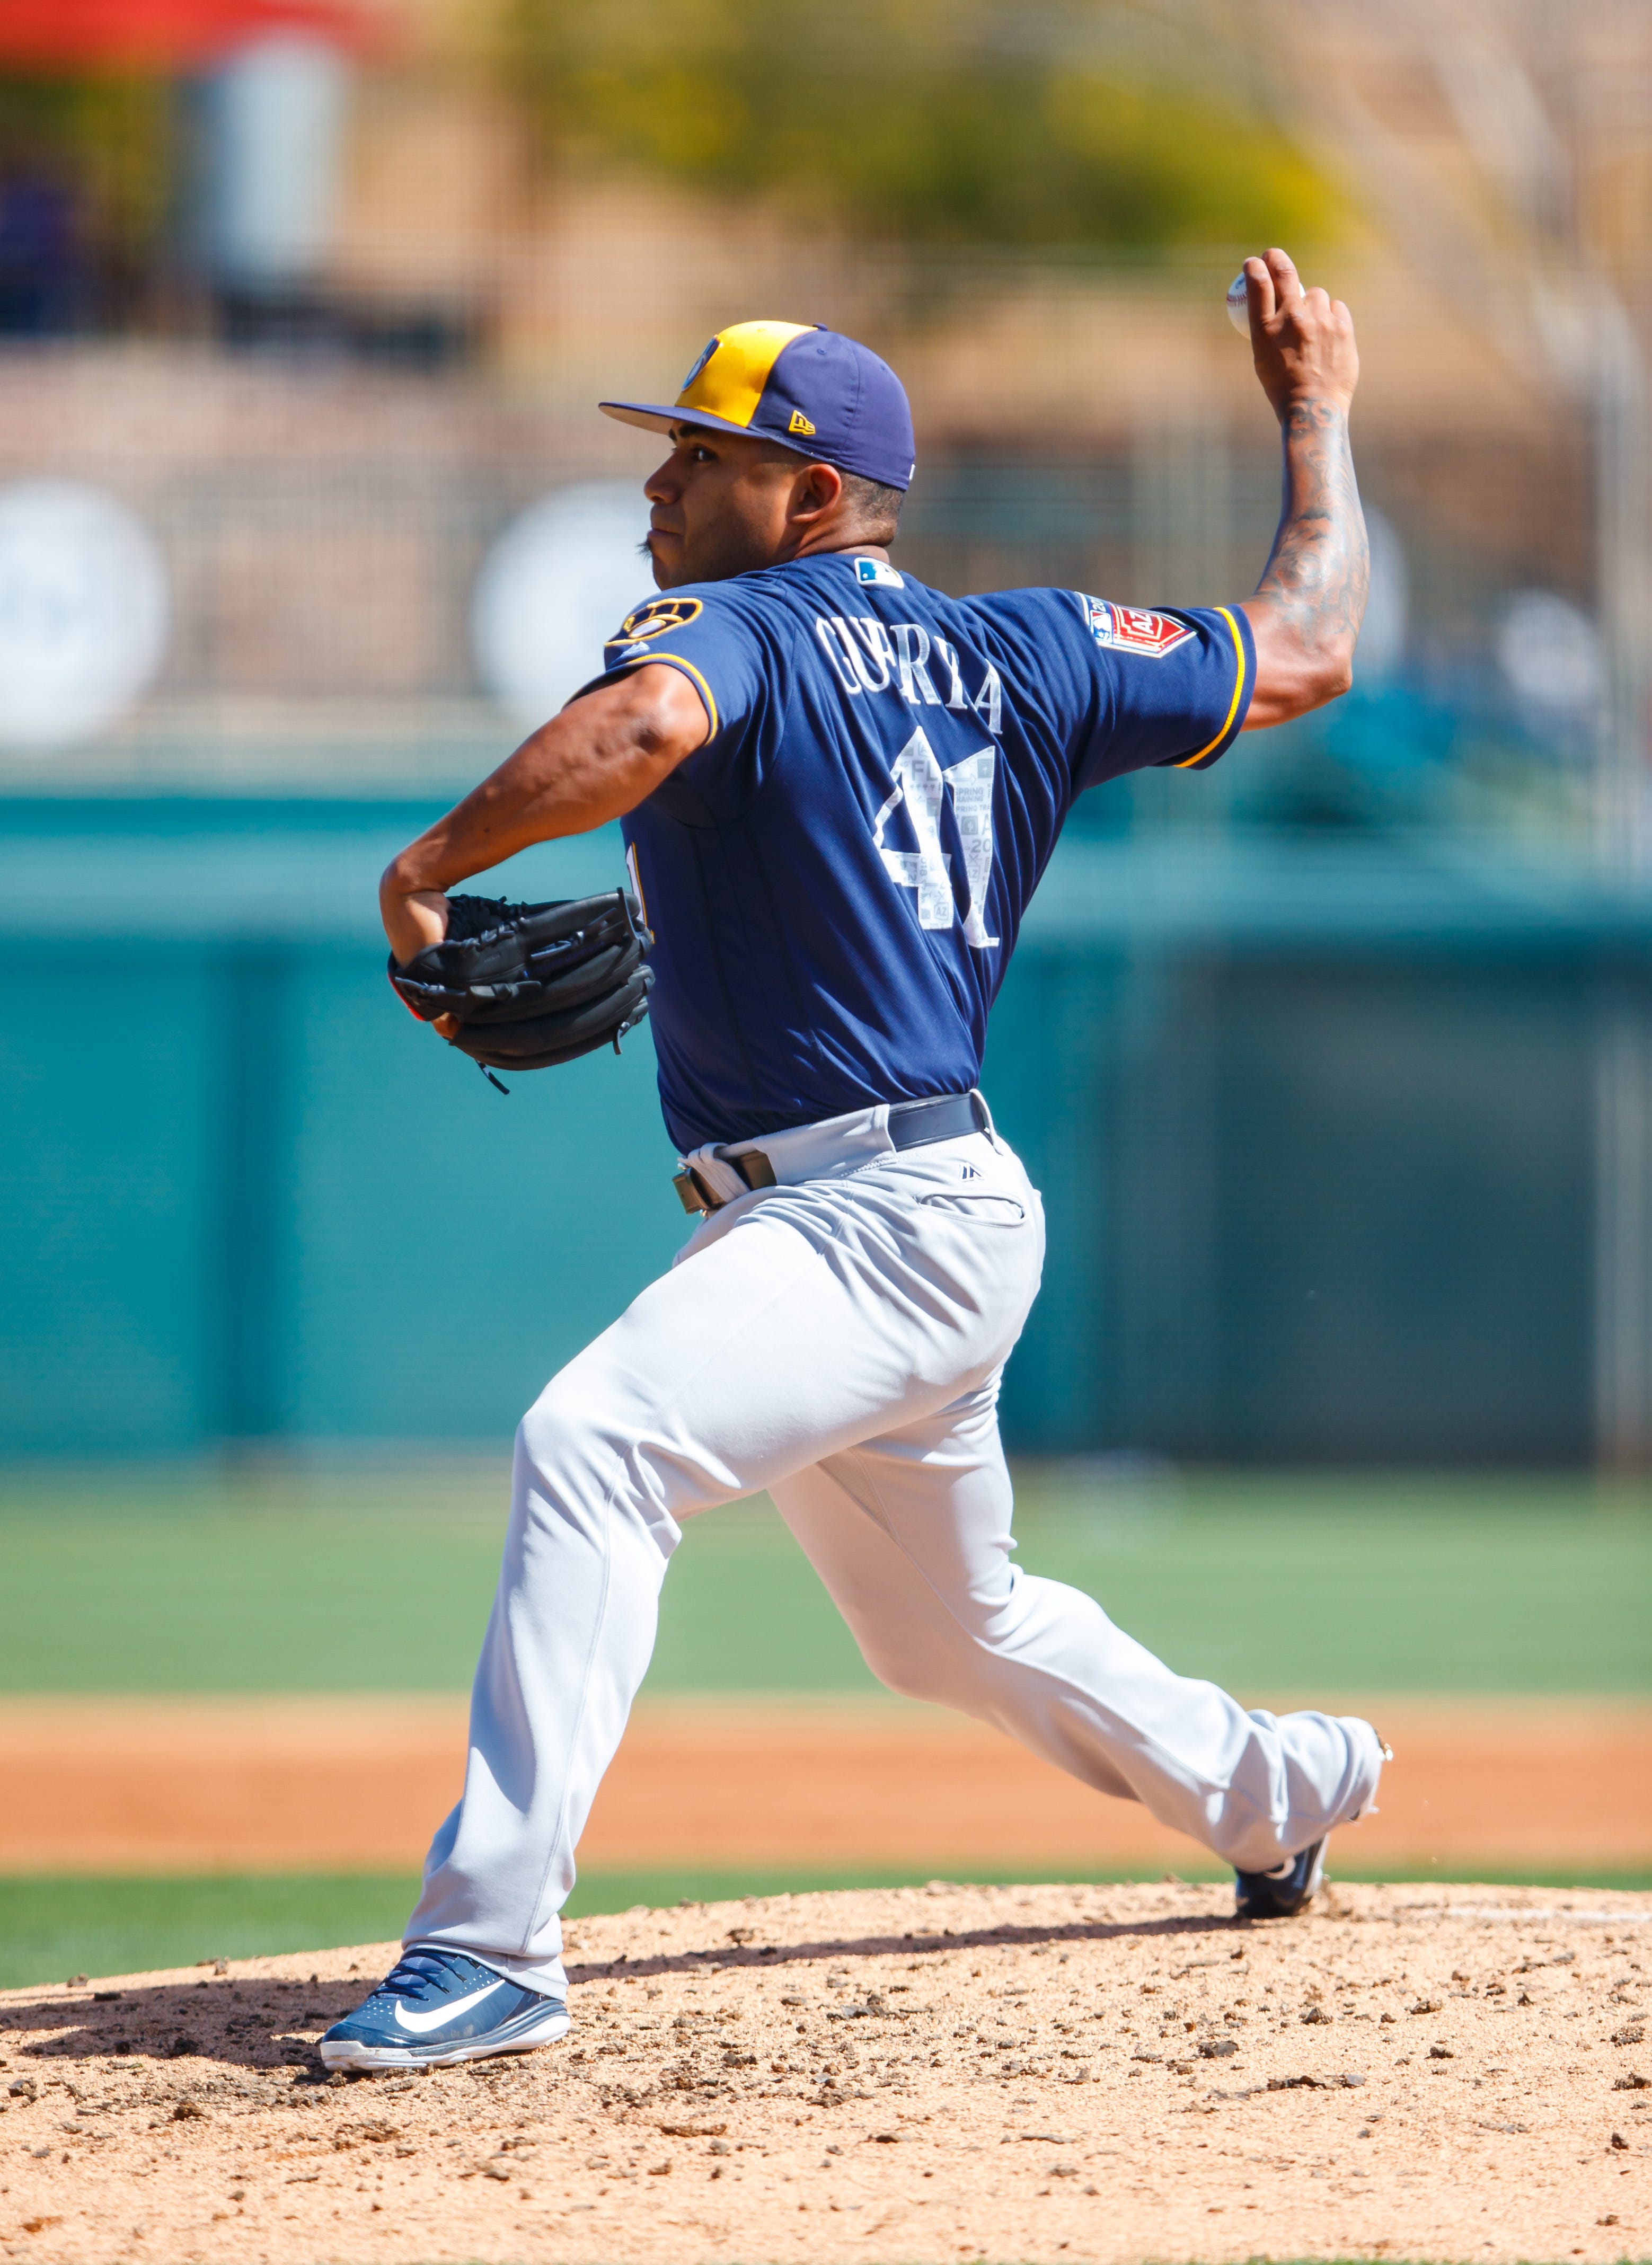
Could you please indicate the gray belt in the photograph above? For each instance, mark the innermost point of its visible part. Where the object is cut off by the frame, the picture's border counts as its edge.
(912, 1125)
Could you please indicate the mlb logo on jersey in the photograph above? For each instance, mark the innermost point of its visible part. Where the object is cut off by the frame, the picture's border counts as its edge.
(1133, 628)
(878, 570)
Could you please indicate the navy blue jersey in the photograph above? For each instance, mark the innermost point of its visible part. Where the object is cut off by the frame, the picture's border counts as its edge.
(837, 878)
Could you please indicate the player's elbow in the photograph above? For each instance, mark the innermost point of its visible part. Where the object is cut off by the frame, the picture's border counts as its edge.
(1335, 676)
(1301, 665)
(1322, 670)
(1306, 681)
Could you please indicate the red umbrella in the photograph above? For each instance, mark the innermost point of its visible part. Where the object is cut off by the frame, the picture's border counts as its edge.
(165, 35)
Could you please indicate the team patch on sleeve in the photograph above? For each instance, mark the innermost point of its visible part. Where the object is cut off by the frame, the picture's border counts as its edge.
(654, 620)
(1133, 629)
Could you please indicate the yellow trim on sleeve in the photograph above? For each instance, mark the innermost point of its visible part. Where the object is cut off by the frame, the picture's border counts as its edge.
(729, 383)
(676, 660)
(1232, 706)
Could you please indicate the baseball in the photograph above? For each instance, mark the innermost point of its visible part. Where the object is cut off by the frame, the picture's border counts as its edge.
(1239, 306)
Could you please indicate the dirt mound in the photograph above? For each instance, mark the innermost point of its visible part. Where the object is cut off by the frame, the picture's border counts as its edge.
(1038, 2073)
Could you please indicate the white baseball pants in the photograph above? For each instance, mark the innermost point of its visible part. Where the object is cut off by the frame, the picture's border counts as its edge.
(839, 1341)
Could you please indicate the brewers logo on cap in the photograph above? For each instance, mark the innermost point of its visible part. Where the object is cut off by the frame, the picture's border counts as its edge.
(801, 385)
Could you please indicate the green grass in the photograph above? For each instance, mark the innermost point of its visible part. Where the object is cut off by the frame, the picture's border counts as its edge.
(129, 1582)
(53, 1927)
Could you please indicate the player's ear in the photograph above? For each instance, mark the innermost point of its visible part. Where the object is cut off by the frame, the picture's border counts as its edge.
(818, 488)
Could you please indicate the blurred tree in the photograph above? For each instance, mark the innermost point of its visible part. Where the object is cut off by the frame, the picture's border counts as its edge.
(934, 119)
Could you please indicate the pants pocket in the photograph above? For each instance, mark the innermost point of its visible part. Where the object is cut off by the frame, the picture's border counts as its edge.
(987, 1210)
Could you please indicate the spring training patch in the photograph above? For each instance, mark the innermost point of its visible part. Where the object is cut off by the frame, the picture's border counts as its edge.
(1133, 628)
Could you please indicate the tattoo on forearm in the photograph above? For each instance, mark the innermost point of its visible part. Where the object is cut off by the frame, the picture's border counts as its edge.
(1318, 569)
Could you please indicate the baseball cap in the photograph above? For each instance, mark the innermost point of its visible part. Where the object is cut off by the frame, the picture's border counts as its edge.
(800, 384)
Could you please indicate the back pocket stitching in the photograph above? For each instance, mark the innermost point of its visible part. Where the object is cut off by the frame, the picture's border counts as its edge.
(985, 1210)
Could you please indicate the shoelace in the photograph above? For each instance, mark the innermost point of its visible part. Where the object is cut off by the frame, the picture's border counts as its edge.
(409, 1978)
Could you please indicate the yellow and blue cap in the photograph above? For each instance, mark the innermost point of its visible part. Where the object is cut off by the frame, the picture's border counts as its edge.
(801, 385)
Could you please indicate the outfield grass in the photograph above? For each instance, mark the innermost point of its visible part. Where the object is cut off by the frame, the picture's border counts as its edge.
(51, 1928)
(1269, 1585)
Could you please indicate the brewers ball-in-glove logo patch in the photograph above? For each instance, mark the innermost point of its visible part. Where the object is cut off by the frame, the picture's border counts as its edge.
(702, 359)
(652, 620)
(1133, 627)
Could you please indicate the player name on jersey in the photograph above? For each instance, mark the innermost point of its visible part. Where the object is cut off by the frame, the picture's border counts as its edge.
(901, 653)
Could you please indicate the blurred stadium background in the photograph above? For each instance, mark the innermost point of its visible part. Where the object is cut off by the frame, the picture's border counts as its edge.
(1334, 1065)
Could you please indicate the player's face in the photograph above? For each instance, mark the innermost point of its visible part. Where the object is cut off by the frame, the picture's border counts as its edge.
(722, 505)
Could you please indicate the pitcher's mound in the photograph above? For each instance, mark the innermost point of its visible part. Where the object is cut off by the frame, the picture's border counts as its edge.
(1052, 2073)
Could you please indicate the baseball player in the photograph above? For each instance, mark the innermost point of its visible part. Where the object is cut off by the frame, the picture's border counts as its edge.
(838, 790)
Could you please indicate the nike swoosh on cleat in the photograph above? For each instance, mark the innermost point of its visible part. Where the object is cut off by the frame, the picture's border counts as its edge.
(418, 2024)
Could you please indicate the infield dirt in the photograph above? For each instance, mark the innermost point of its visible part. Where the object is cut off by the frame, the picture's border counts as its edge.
(1553, 1785)
(1047, 2073)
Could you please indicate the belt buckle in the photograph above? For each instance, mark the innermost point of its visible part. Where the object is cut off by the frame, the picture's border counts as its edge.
(753, 1167)
(695, 1196)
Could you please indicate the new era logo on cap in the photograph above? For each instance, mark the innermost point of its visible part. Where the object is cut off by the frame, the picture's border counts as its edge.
(794, 383)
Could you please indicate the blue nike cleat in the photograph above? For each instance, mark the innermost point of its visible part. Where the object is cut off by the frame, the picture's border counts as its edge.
(1289, 1888)
(436, 2006)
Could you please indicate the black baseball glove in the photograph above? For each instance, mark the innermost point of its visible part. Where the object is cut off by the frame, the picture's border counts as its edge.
(530, 986)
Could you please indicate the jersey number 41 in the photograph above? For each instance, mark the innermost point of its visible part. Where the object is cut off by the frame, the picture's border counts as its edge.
(921, 784)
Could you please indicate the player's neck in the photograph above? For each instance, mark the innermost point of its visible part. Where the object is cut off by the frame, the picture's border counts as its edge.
(838, 546)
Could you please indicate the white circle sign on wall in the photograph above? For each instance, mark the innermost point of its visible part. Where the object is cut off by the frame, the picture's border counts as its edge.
(557, 582)
(84, 612)
(1551, 653)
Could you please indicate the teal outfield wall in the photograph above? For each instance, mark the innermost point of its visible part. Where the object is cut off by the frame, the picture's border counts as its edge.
(1313, 1120)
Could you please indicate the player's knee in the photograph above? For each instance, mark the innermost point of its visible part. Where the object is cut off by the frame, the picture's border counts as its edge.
(910, 1672)
(579, 1466)
(949, 1656)
(562, 1444)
